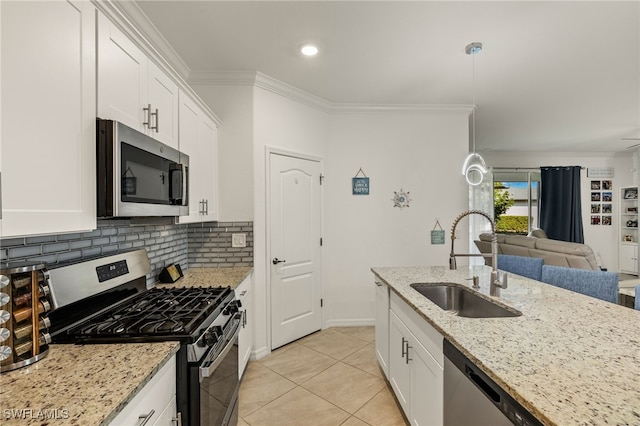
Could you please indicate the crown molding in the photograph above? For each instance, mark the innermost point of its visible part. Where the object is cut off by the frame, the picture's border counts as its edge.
(152, 36)
(257, 79)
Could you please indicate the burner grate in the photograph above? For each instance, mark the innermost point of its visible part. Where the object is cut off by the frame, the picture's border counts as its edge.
(156, 312)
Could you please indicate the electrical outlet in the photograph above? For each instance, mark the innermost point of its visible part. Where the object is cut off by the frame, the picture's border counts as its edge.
(238, 240)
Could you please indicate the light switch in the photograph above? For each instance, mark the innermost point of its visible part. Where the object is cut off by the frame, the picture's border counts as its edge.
(238, 240)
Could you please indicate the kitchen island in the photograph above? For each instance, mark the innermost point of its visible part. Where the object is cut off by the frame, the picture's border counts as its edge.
(569, 359)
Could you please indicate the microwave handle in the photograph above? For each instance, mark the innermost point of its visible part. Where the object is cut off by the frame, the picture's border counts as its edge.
(182, 169)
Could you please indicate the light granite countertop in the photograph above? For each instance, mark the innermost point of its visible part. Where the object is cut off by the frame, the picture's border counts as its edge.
(80, 384)
(569, 359)
(90, 384)
(211, 277)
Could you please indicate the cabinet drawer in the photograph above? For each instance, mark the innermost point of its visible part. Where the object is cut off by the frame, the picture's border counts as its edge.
(428, 336)
(155, 395)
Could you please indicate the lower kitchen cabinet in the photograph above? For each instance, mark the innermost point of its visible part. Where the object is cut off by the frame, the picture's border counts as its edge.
(244, 293)
(628, 258)
(382, 326)
(155, 404)
(416, 363)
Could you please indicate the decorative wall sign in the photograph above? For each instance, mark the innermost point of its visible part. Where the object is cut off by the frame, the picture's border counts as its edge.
(360, 185)
(437, 235)
(600, 172)
(401, 199)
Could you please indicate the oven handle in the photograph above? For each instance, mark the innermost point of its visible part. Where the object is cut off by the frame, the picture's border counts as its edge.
(206, 371)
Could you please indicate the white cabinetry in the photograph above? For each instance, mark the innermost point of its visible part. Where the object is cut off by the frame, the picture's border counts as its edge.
(132, 89)
(416, 364)
(48, 117)
(198, 139)
(628, 238)
(155, 403)
(628, 258)
(244, 293)
(382, 326)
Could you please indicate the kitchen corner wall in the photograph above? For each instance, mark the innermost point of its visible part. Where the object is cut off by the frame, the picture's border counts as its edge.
(194, 245)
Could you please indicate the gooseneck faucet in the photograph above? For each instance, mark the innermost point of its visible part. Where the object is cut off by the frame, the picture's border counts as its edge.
(498, 280)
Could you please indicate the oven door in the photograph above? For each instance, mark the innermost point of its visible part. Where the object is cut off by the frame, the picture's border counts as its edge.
(214, 383)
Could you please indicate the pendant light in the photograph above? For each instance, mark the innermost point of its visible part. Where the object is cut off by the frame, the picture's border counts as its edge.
(474, 168)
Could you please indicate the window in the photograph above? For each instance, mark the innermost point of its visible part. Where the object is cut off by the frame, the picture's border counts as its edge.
(515, 200)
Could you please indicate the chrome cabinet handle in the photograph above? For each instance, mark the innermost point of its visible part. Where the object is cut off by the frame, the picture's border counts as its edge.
(146, 417)
(157, 126)
(403, 346)
(407, 352)
(275, 261)
(206, 207)
(147, 119)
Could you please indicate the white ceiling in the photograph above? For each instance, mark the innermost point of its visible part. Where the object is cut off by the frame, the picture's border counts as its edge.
(553, 76)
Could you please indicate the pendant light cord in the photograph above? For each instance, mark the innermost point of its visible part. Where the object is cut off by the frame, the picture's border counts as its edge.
(473, 91)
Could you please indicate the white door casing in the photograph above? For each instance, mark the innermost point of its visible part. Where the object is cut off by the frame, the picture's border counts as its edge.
(295, 225)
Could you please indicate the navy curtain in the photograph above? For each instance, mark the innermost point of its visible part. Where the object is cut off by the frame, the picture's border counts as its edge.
(560, 207)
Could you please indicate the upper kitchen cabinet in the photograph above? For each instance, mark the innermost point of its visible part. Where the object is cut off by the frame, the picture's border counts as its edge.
(47, 123)
(198, 139)
(132, 88)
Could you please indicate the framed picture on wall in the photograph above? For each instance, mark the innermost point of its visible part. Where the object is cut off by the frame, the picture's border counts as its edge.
(595, 196)
(607, 185)
(607, 208)
(595, 185)
(630, 194)
(607, 197)
(595, 208)
(595, 220)
(606, 220)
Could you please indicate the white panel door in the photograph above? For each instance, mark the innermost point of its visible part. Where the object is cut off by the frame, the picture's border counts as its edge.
(48, 117)
(296, 285)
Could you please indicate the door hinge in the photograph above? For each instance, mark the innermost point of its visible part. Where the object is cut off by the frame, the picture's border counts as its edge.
(320, 241)
(321, 303)
(321, 178)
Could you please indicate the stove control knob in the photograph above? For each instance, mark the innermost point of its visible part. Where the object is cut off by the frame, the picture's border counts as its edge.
(217, 330)
(209, 339)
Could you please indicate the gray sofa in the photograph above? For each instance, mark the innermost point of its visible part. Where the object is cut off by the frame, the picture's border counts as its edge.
(553, 252)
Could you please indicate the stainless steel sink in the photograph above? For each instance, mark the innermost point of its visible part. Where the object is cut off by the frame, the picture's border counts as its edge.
(462, 301)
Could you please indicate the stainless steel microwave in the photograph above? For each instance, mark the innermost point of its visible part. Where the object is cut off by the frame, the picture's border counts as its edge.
(138, 176)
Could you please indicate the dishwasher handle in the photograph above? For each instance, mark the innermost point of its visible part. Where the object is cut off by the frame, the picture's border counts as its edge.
(484, 386)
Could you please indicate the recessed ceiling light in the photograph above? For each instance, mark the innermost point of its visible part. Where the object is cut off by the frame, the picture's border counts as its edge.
(308, 49)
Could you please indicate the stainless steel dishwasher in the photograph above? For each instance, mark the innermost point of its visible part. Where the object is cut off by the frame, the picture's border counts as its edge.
(471, 398)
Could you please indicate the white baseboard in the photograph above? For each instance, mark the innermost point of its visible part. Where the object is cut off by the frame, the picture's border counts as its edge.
(359, 322)
(259, 353)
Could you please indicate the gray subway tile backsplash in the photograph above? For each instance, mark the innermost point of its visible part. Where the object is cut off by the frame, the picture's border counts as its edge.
(201, 245)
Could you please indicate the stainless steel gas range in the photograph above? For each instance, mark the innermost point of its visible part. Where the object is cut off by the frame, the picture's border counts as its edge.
(105, 300)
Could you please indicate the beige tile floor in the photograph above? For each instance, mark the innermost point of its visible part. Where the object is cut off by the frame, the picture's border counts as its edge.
(328, 378)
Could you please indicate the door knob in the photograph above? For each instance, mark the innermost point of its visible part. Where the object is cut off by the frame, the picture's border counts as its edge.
(276, 261)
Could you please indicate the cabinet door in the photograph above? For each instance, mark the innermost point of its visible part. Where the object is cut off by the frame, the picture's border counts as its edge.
(189, 123)
(427, 381)
(628, 258)
(399, 372)
(208, 150)
(122, 77)
(163, 98)
(152, 400)
(48, 117)
(245, 340)
(382, 327)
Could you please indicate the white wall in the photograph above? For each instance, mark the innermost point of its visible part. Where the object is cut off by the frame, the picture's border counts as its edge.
(602, 239)
(284, 124)
(419, 152)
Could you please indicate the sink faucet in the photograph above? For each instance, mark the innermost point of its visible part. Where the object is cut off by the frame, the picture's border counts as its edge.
(498, 280)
